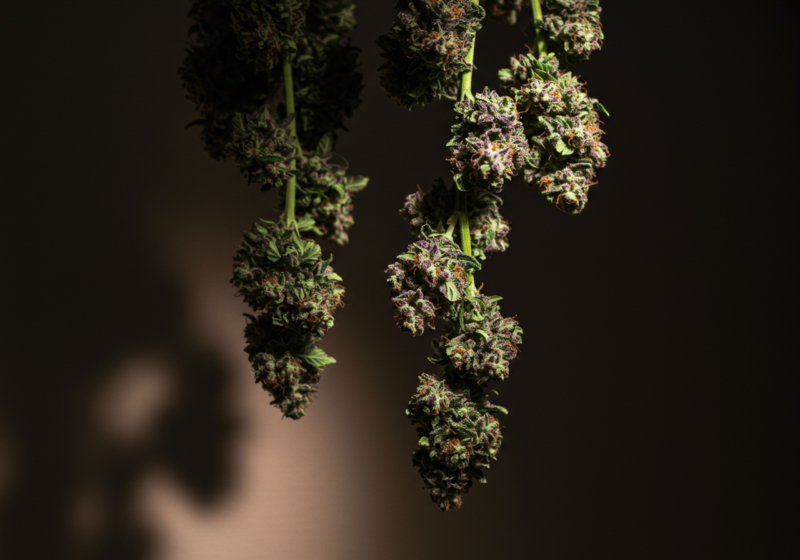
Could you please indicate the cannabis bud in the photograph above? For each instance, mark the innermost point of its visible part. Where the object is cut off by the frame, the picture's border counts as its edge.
(263, 148)
(507, 10)
(426, 49)
(563, 128)
(266, 29)
(273, 81)
(489, 144)
(436, 267)
(287, 364)
(481, 343)
(457, 439)
(277, 271)
(573, 28)
(488, 230)
(324, 202)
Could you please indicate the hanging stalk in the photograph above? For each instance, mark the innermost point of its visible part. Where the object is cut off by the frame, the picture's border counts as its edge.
(538, 18)
(291, 189)
(466, 79)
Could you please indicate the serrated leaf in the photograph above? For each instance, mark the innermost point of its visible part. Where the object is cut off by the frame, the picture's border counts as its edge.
(318, 358)
(483, 333)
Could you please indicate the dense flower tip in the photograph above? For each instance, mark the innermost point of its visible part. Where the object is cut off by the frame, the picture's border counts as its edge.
(481, 342)
(267, 29)
(563, 127)
(426, 49)
(414, 312)
(457, 439)
(286, 364)
(236, 65)
(262, 148)
(436, 267)
(324, 198)
(284, 275)
(506, 10)
(489, 144)
(566, 189)
(573, 28)
(488, 230)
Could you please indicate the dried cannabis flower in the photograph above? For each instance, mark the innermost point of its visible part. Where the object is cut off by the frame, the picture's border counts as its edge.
(267, 29)
(278, 272)
(488, 230)
(325, 198)
(246, 52)
(489, 144)
(457, 439)
(426, 49)
(434, 265)
(573, 28)
(563, 128)
(287, 364)
(481, 342)
(263, 149)
(543, 124)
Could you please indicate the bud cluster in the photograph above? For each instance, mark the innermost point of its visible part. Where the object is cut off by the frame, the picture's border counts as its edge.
(457, 438)
(481, 343)
(262, 148)
(266, 29)
(506, 10)
(286, 363)
(488, 230)
(573, 28)
(563, 128)
(325, 198)
(235, 65)
(431, 275)
(426, 49)
(283, 275)
(237, 74)
(489, 144)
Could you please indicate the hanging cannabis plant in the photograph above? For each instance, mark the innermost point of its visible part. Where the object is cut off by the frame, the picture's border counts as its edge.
(542, 125)
(273, 81)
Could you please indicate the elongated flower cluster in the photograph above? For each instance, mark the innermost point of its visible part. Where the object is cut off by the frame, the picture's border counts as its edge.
(266, 29)
(481, 343)
(488, 230)
(263, 148)
(238, 72)
(430, 277)
(488, 144)
(562, 126)
(457, 439)
(573, 28)
(506, 10)
(235, 65)
(286, 363)
(325, 198)
(426, 49)
(278, 272)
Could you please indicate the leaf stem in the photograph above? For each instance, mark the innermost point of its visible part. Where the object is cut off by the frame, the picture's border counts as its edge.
(466, 78)
(541, 42)
(291, 189)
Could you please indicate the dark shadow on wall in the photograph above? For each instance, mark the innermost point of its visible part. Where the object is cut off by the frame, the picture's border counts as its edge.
(84, 427)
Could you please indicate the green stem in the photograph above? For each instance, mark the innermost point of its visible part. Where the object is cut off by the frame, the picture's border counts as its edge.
(466, 240)
(291, 189)
(466, 78)
(541, 42)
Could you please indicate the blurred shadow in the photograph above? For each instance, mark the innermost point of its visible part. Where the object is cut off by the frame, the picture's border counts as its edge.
(104, 402)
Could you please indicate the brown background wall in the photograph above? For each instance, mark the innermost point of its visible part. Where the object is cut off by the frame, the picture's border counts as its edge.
(652, 409)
